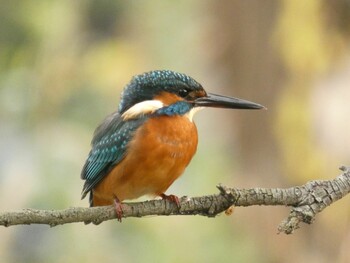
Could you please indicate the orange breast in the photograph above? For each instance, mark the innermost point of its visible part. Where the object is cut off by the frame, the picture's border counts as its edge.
(158, 154)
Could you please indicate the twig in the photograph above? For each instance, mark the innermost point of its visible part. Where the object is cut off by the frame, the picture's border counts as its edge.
(307, 201)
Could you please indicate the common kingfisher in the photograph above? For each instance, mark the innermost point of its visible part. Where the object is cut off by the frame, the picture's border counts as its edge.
(143, 147)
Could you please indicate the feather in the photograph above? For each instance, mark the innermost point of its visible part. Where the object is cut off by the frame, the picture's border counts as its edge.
(109, 146)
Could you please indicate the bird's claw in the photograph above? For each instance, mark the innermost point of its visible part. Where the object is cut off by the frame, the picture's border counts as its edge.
(172, 198)
(118, 209)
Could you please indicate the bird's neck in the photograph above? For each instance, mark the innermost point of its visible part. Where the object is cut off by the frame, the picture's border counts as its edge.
(181, 108)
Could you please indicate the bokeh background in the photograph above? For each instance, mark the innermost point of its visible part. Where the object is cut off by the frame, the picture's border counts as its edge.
(63, 65)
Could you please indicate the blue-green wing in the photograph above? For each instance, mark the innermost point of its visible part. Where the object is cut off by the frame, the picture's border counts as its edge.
(109, 146)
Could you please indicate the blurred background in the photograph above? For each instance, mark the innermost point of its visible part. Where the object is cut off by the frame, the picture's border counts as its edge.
(63, 65)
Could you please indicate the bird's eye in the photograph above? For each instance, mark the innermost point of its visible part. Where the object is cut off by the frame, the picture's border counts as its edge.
(183, 92)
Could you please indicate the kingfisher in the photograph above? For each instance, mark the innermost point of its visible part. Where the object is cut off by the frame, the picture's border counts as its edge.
(143, 147)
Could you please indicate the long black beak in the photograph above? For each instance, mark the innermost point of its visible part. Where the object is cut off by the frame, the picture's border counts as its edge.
(218, 101)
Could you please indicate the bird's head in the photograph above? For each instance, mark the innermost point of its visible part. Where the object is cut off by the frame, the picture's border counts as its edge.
(170, 93)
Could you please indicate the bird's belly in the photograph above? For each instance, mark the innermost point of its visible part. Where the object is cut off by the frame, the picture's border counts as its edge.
(156, 157)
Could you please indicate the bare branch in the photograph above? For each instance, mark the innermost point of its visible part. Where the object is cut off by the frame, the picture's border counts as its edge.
(307, 201)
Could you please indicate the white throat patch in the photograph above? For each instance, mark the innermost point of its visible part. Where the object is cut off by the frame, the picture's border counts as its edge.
(191, 113)
(141, 108)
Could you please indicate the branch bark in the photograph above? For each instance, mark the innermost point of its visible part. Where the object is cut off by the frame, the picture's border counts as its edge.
(306, 201)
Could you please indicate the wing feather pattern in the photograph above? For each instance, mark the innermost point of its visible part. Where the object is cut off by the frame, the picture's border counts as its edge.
(109, 146)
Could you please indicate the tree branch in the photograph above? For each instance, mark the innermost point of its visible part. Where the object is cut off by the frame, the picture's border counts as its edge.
(306, 201)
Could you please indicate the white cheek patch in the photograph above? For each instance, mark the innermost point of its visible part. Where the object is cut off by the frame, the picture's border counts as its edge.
(141, 108)
(191, 113)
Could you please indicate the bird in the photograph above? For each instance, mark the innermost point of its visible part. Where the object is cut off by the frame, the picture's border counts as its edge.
(146, 144)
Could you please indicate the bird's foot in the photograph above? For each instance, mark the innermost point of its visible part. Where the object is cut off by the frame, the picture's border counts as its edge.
(171, 198)
(118, 208)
